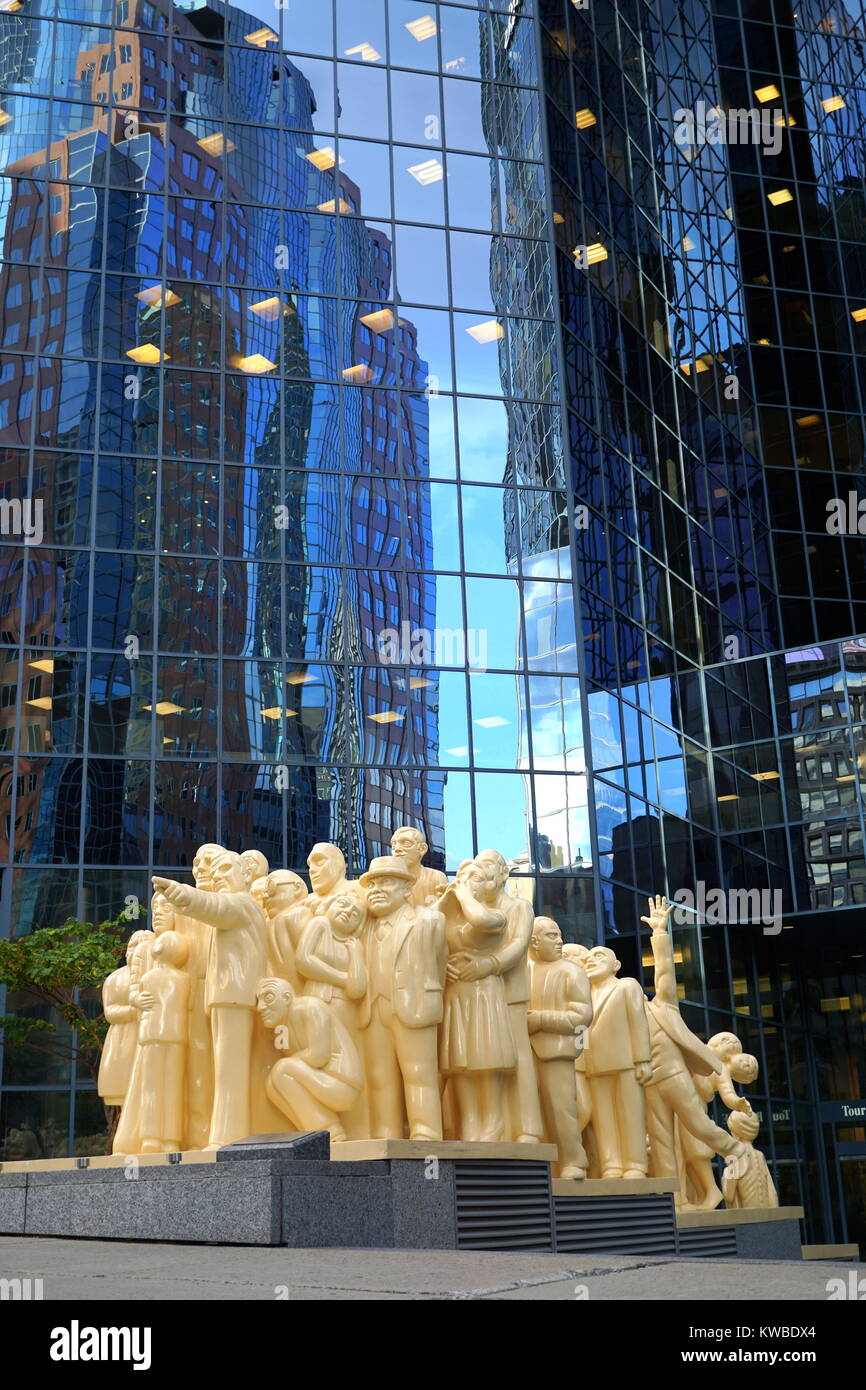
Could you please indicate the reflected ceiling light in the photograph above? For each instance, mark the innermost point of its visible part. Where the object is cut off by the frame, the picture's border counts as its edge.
(731, 796)
(267, 308)
(254, 365)
(833, 103)
(43, 702)
(781, 195)
(155, 297)
(365, 51)
(46, 664)
(380, 321)
(275, 712)
(216, 144)
(846, 777)
(359, 373)
(299, 677)
(592, 253)
(584, 118)
(423, 28)
(323, 159)
(491, 721)
(458, 752)
(807, 421)
(487, 332)
(388, 716)
(764, 776)
(9, 6)
(688, 244)
(832, 1006)
(261, 37)
(148, 353)
(5, 118)
(558, 219)
(769, 93)
(166, 707)
(764, 342)
(430, 171)
(419, 682)
(859, 315)
(454, 64)
(334, 205)
(783, 121)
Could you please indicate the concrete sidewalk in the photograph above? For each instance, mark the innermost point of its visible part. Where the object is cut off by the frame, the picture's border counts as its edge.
(121, 1271)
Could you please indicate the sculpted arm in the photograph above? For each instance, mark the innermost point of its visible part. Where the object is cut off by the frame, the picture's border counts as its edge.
(310, 963)
(317, 1035)
(219, 910)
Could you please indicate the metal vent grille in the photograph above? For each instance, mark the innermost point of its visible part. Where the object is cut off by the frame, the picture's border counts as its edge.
(711, 1241)
(641, 1224)
(503, 1204)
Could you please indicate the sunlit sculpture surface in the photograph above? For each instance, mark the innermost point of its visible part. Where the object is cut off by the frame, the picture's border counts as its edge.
(404, 1007)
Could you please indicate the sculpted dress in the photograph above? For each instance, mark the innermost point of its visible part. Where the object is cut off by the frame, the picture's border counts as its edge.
(476, 1032)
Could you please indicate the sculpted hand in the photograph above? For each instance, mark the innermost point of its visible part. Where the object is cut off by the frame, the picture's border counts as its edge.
(145, 1000)
(175, 892)
(477, 969)
(643, 1073)
(660, 911)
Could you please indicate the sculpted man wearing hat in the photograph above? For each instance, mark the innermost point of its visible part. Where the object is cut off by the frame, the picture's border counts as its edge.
(406, 960)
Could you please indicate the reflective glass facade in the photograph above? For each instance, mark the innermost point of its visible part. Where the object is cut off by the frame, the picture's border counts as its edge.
(426, 434)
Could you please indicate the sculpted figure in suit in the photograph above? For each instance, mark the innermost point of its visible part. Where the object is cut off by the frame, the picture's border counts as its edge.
(283, 899)
(616, 1063)
(429, 884)
(560, 1011)
(510, 961)
(327, 865)
(236, 963)
(676, 1053)
(321, 1077)
(406, 959)
(199, 1066)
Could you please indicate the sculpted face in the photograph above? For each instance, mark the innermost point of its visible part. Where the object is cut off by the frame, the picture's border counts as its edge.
(227, 873)
(410, 844)
(280, 891)
(327, 866)
(601, 963)
(387, 892)
(202, 865)
(493, 863)
(546, 939)
(273, 998)
(162, 913)
(346, 913)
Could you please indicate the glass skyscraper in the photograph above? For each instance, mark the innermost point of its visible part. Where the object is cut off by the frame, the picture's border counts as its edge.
(409, 414)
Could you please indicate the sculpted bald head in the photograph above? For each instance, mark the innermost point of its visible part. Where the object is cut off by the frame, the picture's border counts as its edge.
(327, 867)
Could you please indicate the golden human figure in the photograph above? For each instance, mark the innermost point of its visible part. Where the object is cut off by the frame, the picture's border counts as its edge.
(429, 884)
(476, 1049)
(697, 1178)
(677, 1054)
(560, 1012)
(162, 1038)
(283, 897)
(121, 1040)
(319, 1076)
(511, 962)
(616, 1063)
(406, 959)
(331, 964)
(238, 955)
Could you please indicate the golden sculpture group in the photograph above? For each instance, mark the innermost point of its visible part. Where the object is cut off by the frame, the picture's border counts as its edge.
(402, 1004)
